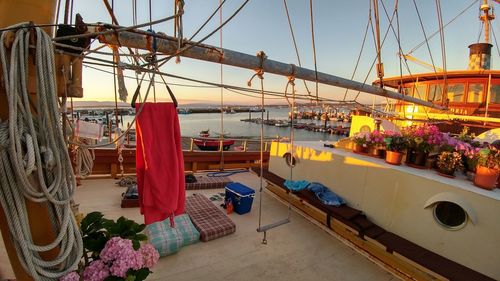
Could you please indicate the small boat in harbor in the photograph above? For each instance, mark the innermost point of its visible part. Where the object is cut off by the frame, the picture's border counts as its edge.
(204, 134)
(212, 144)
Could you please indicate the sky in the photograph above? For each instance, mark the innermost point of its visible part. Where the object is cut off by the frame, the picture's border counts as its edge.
(339, 28)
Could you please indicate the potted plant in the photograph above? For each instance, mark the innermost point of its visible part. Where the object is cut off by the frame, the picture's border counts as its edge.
(113, 251)
(448, 162)
(395, 145)
(360, 143)
(422, 140)
(488, 168)
(375, 143)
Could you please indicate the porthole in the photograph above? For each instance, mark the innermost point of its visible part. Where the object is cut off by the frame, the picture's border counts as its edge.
(450, 215)
(289, 159)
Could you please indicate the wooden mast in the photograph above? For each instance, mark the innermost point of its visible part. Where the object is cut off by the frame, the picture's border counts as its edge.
(38, 12)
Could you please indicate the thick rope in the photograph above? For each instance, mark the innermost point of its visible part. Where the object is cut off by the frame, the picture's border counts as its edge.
(34, 162)
(84, 162)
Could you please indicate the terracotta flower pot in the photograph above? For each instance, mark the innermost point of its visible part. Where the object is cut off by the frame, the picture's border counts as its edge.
(485, 177)
(358, 148)
(374, 152)
(393, 157)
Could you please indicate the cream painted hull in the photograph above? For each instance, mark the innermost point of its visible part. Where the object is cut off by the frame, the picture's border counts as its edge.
(394, 197)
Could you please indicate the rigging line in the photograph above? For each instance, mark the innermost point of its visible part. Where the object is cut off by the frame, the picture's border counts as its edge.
(295, 43)
(391, 26)
(212, 85)
(66, 11)
(58, 10)
(313, 44)
(398, 39)
(444, 91)
(379, 55)
(437, 31)
(116, 95)
(139, 111)
(480, 32)
(495, 37)
(194, 44)
(368, 23)
(401, 51)
(151, 16)
(114, 30)
(425, 36)
(71, 15)
(251, 96)
(221, 145)
(147, 80)
(375, 59)
(208, 20)
(145, 70)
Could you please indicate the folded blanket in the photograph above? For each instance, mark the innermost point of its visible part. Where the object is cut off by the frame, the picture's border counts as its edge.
(296, 185)
(325, 195)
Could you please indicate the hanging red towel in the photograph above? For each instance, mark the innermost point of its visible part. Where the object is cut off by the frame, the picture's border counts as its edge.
(159, 162)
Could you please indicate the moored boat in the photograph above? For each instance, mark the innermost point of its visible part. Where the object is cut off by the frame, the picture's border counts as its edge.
(212, 144)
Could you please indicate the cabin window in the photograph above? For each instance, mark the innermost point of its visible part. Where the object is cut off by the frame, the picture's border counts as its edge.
(456, 92)
(419, 92)
(435, 92)
(495, 93)
(476, 92)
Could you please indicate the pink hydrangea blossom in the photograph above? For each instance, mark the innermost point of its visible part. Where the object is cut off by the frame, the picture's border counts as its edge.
(72, 276)
(150, 255)
(116, 247)
(96, 271)
(128, 260)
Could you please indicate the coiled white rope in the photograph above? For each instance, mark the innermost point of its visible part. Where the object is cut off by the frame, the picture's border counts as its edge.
(84, 161)
(34, 162)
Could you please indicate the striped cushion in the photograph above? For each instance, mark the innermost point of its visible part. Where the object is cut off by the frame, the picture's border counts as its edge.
(165, 239)
(209, 220)
(186, 229)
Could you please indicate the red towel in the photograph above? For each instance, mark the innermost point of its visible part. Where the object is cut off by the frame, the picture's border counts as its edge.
(159, 162)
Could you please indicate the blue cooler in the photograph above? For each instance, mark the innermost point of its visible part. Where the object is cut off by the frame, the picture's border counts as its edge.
(241, 196)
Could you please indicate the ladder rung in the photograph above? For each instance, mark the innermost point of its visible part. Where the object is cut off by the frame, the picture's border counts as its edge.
(272, 225)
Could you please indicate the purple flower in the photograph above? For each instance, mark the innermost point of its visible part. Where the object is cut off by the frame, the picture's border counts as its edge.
(96, 271)
(150, 255)
(72, 276)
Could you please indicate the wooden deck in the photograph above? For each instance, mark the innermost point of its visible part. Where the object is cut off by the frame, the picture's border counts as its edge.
(299, 250)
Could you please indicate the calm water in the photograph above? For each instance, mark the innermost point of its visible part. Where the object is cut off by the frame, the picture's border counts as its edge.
(192, 124)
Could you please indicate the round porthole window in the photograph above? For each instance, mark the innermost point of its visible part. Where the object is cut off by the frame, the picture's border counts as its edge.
(450, 215)
(289, 159)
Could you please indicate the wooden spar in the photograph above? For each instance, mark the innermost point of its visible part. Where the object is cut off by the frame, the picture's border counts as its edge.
(168, 45)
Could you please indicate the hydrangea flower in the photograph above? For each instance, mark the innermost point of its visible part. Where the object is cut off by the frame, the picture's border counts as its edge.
(96, 271)
(150, 255)
(116, 247)
(130, 260)
(72, 276)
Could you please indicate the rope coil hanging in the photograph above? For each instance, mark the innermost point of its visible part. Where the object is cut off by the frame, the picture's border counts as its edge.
(34, 164)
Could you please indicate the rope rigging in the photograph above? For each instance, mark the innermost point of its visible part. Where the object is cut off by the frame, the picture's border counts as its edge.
(30, 151)
(294, 43)
(313, 46)
(368, 23)
(260, 74)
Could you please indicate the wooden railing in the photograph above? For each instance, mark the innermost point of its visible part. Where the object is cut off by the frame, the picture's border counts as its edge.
(106, 161)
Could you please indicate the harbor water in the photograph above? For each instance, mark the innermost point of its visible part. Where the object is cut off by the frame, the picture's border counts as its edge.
(192, 124)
